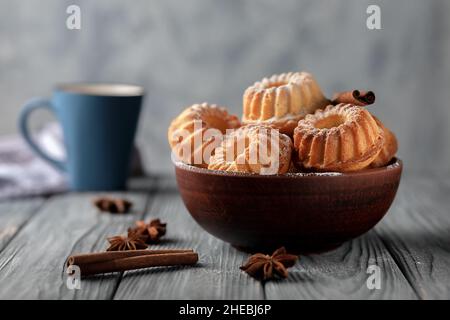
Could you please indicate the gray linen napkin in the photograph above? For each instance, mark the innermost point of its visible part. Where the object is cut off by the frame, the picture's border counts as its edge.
(22, 173)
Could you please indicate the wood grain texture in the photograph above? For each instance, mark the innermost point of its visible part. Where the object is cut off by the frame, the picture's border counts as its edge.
(342, 274)
(31, 266)
(217, 275)
(411, 247)
(417, 233)
(13, 215)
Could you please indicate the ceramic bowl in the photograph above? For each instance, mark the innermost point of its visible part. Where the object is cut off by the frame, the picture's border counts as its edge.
(305, 212)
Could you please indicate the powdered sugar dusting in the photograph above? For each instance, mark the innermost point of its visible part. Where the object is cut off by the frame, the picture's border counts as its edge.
(396, 164)
(188, 167)
(313, 174)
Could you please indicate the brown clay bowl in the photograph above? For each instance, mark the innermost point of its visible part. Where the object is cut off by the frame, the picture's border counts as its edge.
(304, 212)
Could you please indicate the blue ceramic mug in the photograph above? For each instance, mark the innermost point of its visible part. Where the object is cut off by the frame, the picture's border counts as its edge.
(99, 124)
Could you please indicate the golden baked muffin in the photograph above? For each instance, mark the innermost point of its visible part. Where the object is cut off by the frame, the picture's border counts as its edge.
(282, 100)
(340, 138)
(197, 131)
(253, 149)
(389, 149)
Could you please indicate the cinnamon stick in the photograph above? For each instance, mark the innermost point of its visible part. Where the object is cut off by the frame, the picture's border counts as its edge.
(112, 255)
(355, 97)
(139, 262)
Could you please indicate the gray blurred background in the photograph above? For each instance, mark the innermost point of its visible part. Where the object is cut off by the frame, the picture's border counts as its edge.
(191, 51)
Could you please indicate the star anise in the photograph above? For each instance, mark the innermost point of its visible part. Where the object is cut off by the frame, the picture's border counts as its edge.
(112, 205)
(132, 241)
(152, 231)
(265, 267)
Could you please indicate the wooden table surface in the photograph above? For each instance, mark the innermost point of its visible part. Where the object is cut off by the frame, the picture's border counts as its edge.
(411, 246)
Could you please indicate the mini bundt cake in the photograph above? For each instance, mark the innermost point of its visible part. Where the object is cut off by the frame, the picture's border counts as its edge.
(340, 138)
(253, 149)
(282, 100)
(191, 135)
(389, 149)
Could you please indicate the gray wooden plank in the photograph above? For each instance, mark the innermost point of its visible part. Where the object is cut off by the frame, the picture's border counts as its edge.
(13, 215)
(342, 274)
(217, 275)
(162, 183)
(417, 234)
(31, 266)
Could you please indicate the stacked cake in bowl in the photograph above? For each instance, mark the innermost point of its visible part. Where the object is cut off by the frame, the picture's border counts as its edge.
(288, 125)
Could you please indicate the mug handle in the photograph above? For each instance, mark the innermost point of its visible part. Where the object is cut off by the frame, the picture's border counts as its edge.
(27, 109)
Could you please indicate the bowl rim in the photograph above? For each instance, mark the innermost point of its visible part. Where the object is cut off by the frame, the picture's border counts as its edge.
(395, 164)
